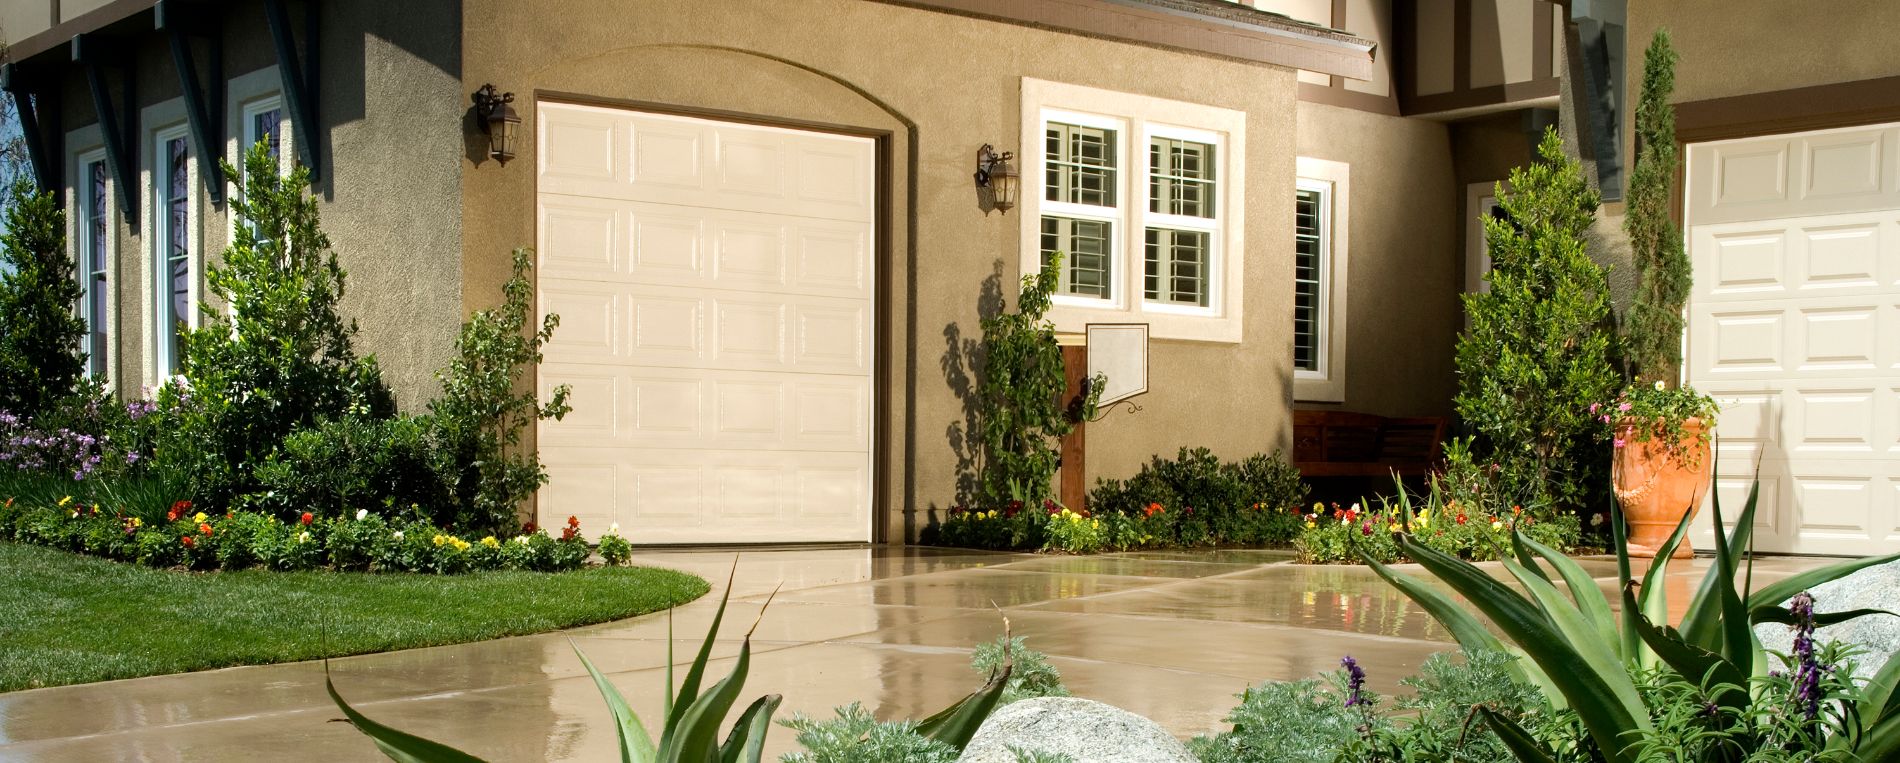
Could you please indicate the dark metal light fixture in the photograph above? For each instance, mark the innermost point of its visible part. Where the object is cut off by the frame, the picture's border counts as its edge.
(993, 171)
(498, 118)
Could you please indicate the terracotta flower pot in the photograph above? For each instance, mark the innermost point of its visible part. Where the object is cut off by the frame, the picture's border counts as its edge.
(1657, 488)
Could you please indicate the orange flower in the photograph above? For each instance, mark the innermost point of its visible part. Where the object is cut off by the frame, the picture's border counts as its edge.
(187, 541)
(205, 528)
(1153, 509)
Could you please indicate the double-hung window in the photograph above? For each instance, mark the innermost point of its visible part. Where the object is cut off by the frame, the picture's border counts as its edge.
(92, 255)
(1320, 197)
(174, 261)
(1138, 195)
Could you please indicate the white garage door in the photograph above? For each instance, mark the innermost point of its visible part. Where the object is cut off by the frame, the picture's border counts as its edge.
(714, 283)
(1794, 326)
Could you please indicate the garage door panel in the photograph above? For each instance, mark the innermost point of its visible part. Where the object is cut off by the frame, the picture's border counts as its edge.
(1839, 338)
(1842, 256)
(1832, 421)
(1744, 261)
(1846, 164)
(592, 321)
(667, 496)
(1743, 342)
(690, 408)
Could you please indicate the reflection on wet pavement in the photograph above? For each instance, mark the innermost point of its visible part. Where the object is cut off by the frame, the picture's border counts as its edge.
(1170, 635)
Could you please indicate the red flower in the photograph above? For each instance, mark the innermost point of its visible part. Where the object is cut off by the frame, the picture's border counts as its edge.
(573, 521)
(1187, 510)
(1461, 519)
(178, 510)
(189, 543)
(1051, 507)
(528, 528)
(955, 510)
(1366, 529)
(307, 518)
(205, 528)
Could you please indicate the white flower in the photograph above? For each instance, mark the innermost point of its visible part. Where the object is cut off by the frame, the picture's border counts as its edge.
(398, 535)
(361, 513)
(613, 529)
(1659, 385)
(303, 537)
(521, 539)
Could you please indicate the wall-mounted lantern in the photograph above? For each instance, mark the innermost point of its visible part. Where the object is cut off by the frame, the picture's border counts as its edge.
(498, 119)
(994, 172)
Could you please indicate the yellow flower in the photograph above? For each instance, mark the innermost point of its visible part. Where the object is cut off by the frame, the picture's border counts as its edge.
(198, 517)
(136, 522)
(1309, 524)
(66, 500)
(439, 539)
(1392, 527)
(1097, 523)
(491, 542)
(460, 545)
(1497, 525)
(1075, 517)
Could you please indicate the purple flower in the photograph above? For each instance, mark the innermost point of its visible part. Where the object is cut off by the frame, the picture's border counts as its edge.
(1355, 682)
(1808, 667)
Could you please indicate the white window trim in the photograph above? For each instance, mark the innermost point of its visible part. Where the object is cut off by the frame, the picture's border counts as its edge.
(253, 93)
(86, 147)
(170, 120)
(1327, 384)
(1137, 117)
(1477, 253)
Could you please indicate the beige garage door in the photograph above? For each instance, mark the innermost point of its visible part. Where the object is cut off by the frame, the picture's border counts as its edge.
(714, 282)
(1794, 326)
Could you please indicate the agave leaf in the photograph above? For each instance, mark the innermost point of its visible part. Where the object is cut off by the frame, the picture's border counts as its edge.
(1738, 642)
(1515, 738)
(1632, 643)
(1456, 618)
(1780, 614)
(747, 741)
(666, 703)
(1693, 662)
(635, 745)
(1583, 590)
(401, 747)
(1699, 622)
(689, 690)
(696, 737)
(1607, 703)
(956, 724)
(1524, 556)
(1580, 633)
(1782, 590)
(1881, 740)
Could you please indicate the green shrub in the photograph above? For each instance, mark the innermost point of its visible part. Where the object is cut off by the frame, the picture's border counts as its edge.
(1019, 393)
(1338, 536)
(1073, 533)
(354, 542)
(853, 736)
(1032, 676)
(1294, 722)
(272, 355)
(351, 464)
(41, 357)
(1251, 502)
(1538, 349)
(486, 405)
(615, 550)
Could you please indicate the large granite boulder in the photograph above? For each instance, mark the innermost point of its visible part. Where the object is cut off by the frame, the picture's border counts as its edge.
(1085, 730)
(1876, 587)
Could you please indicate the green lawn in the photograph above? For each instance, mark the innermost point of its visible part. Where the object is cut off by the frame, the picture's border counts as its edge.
(67, 618)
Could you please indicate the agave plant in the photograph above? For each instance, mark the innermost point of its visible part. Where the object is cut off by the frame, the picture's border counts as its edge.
(691, 732)
(1581, 654)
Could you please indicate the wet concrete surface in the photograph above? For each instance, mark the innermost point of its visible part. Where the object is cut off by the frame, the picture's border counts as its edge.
(1169, 635)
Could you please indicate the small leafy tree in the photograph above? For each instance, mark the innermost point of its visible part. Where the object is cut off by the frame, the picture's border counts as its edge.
(486, 405)
(1652, 332)
(1019, 397)
(273, 354)
(1537, 353)
(41, 359)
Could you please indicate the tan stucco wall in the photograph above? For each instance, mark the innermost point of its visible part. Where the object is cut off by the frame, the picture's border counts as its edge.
(947, 84)
(1731, 47)
(1405, 267)
(391, 142)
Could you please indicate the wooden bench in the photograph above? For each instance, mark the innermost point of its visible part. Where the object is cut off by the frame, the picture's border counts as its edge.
(1346, 444)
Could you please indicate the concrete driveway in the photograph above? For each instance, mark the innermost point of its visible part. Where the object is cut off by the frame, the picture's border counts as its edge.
(1169, 635)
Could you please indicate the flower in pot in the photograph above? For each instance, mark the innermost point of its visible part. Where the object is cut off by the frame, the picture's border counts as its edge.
(1660, 470)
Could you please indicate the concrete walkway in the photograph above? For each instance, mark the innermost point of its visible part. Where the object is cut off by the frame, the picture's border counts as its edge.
(1169, 635)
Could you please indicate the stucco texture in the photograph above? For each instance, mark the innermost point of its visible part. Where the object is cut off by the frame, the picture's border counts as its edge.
(942, 85)
(1757, 46)
(1405, 265)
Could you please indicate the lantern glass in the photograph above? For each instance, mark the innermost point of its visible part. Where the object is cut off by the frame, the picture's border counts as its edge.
(1003, 183)
(503, 125)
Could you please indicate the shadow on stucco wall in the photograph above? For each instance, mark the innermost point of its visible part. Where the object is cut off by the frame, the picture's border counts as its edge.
(962, 360)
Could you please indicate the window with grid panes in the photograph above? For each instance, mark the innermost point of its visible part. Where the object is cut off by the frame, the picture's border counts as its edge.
(92, 258)
(1080, 174)
(1309, 274)
(172, 208)
(1178, 256)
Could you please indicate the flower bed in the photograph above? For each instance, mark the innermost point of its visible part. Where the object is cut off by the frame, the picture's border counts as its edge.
(1194, 500)
(189, 539)
(1334, 535)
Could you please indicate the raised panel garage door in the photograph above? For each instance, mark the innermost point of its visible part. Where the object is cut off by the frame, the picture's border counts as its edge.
(1794, 327)
(714, 284)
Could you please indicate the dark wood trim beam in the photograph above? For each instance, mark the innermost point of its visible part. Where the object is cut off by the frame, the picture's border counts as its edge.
(1841, 104)
(23, 90)
(300, 85)
(63, 33)
(1542, 16)
(120, 138)
(1211, 28)
(1491, 95)
(204, 104)
(1461, 46)
(1312, 92)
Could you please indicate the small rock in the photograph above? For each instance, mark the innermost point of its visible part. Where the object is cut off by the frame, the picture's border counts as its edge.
(1085, 730)
(1875, 587)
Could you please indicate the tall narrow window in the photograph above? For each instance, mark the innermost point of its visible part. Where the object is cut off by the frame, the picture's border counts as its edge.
(266, 126)
(92, 258)
(1310, 269)
(172, 208)
(1082, 205)
(1181, 221)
